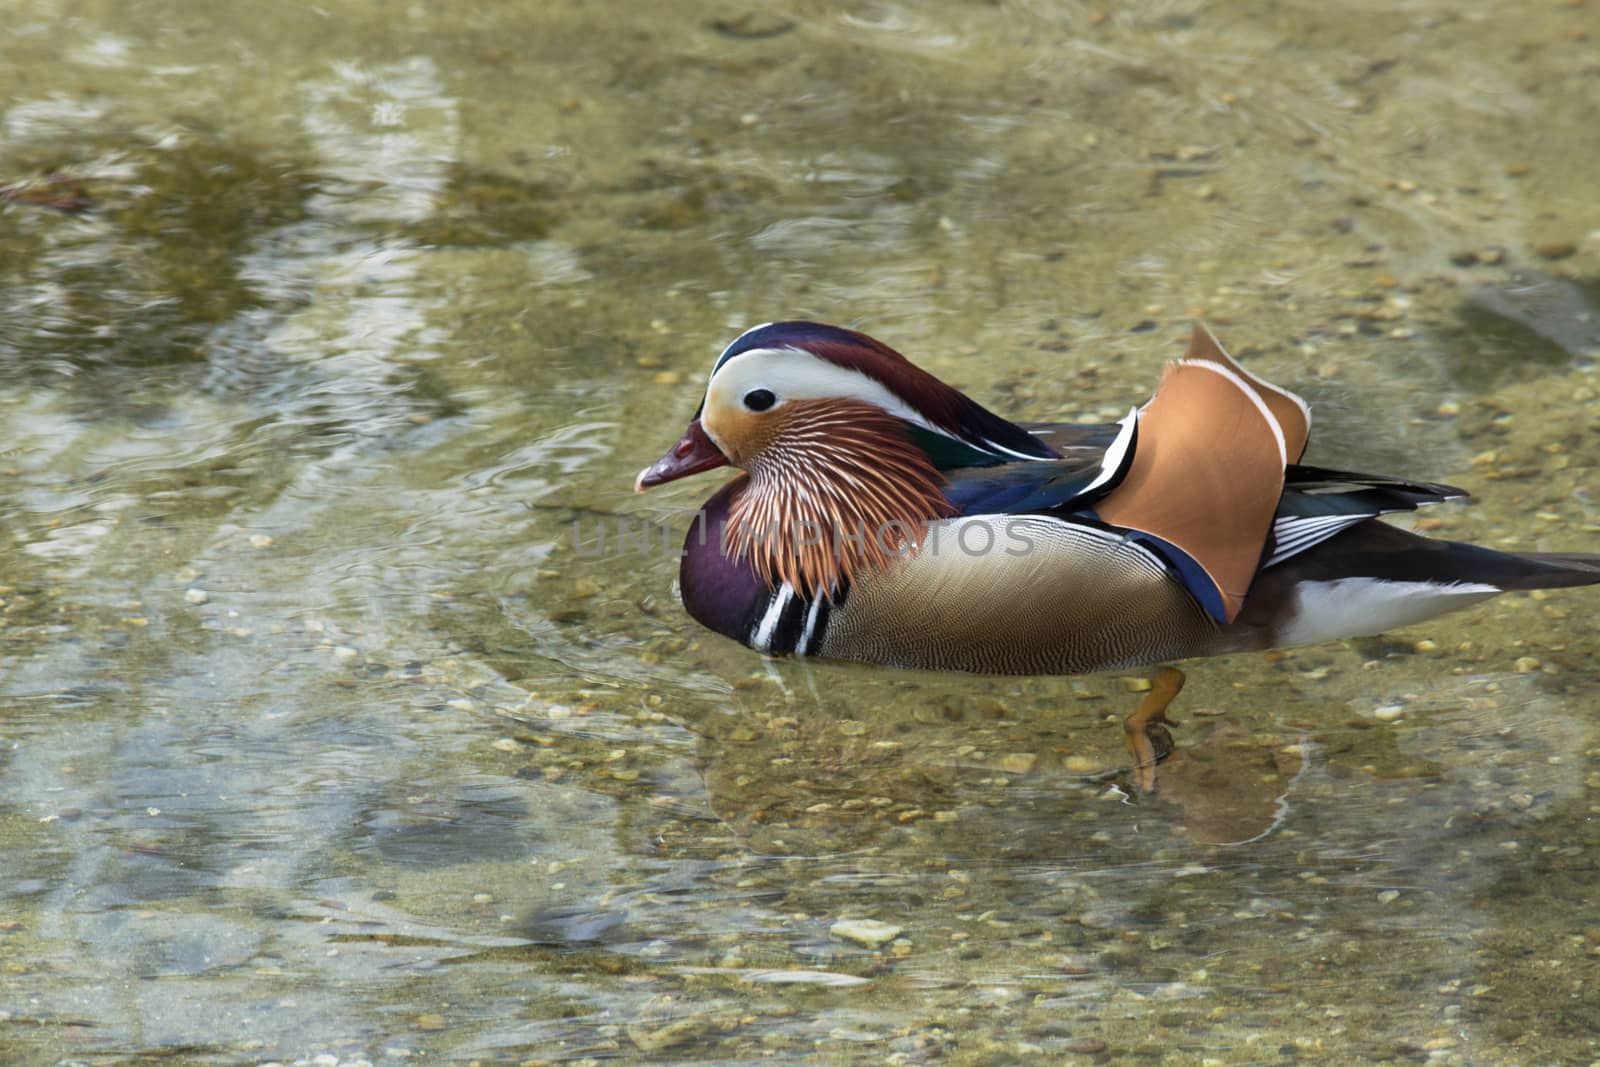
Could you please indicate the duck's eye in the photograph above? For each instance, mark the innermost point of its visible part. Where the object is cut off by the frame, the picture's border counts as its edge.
(759, 399)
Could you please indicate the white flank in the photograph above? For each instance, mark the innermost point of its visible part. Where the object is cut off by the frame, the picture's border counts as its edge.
(1359, 607)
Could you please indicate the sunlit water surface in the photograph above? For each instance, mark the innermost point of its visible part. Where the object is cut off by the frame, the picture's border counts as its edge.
(339, 719)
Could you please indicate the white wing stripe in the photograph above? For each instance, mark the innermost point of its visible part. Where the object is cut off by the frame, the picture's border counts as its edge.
(1117, 454)
(1294, 534)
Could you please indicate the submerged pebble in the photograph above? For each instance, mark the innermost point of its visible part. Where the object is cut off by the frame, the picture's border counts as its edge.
(675, 1033)
(1019, 762)
(868, 932)
(1084, 1046)
(1556, 249)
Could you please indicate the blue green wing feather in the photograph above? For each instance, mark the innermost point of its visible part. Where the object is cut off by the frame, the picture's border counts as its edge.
(1020, 488)
(1091, 460)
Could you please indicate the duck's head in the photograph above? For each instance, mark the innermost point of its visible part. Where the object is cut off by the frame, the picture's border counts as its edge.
(838, 432)
(789, 391)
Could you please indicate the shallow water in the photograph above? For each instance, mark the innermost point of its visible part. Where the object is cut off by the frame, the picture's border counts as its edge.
(332, 729)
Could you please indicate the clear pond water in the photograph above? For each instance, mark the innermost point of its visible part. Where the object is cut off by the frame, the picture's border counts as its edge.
(338, 724)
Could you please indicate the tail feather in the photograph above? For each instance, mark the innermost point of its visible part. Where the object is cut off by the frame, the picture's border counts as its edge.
(1554, 570)
(1374, 577)
(1374, 549)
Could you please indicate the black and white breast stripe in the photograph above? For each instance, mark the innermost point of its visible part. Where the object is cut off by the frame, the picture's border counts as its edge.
(791, 624)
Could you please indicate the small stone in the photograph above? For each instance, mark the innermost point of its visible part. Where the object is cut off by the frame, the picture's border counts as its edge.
(867, 932)
(1388, 896)
(1448, 409)
(1086, 1046)
(1018, 762)
(431, 1020)
(1388, 712)
(196, 596)
(667, 377)
(753, 25)
(1527, 664)
(1491, 257)
(1137, 685)
(260, 541)
(1555, 249)
(584, 588)
(674, 1033)
(507, 744)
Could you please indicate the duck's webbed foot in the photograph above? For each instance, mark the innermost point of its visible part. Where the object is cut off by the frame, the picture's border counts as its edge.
(1149, 740)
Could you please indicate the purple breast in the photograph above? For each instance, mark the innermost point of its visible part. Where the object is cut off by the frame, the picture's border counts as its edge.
(725, 595)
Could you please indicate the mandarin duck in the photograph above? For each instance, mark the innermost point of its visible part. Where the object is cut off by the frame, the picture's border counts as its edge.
(887, 518)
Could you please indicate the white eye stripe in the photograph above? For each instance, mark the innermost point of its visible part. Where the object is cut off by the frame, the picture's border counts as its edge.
(792, 373)
(795, 374)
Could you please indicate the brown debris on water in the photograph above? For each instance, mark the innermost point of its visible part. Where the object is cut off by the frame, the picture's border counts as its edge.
(54, 189)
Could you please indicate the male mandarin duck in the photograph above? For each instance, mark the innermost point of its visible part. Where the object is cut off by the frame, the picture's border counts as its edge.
(885, 517)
